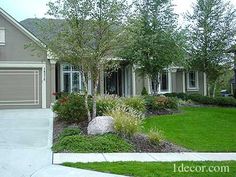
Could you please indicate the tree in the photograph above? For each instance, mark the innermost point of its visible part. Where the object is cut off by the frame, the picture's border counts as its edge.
(211, 31)
(89, 34)
(153, 42)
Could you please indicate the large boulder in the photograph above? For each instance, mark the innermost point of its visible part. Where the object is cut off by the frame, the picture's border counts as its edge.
(101, 125)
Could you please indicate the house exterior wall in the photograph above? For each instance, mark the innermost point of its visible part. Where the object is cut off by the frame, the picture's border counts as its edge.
(179, 82)
(140, 82)
(15, 52)
(200, 84)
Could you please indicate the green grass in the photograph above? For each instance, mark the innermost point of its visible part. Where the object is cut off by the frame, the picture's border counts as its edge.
(150, 169)
(90, 144)
(199, 129)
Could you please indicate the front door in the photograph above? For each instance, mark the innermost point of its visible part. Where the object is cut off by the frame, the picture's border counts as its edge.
(113, 83)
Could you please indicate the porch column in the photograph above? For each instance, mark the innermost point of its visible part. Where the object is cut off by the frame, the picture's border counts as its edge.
(184, 84)
(52, 79)
(133, 82)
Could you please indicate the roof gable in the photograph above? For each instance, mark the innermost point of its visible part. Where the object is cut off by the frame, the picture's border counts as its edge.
(10, 19)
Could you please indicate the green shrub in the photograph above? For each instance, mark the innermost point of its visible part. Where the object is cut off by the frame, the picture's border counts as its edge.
(218, 101)
(156, 103)
(127, 121)
(137, 103)
(182, 96)
(155, 136)
(105, 103)
(69, 132)
(225, 101)
(71, 108)
(144, 92)
(92, 144)
(201, 99)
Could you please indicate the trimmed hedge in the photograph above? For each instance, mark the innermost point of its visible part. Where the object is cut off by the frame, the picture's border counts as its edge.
(198, 98)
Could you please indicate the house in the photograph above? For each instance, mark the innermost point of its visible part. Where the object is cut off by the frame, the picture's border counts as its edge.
(28, 79)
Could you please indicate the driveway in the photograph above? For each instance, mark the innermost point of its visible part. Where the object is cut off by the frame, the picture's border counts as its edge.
(25, 141)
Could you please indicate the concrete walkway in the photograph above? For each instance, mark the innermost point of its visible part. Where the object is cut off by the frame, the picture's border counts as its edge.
(25, 146)
(59, 158)
(25, 141)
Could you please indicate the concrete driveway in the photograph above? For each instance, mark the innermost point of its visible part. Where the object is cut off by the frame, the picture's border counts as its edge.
(25, 141)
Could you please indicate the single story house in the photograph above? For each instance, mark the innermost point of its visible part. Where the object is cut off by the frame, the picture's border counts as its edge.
(27, 80)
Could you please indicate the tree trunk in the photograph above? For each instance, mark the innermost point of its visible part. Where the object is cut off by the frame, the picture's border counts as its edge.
(155, 81)
(214, 89)
(95, 87)
(85, 82)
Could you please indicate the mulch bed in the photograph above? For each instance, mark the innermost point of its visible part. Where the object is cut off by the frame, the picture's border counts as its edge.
(142, 144)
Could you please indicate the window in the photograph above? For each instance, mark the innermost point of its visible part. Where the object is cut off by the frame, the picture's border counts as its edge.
(164, 79)
(72, 81)
(2, 36)
(192, 79)
(164, 82)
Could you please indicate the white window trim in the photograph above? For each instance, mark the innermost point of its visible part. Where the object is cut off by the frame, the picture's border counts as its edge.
(4, 36)
(197, 82)
(33, 65)
(71, 73)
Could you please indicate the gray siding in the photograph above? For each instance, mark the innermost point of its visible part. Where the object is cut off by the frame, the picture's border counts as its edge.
(179, 81)
(15, 51)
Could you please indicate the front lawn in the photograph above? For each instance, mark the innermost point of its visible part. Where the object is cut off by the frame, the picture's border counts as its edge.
(199, 129)
(151, 169)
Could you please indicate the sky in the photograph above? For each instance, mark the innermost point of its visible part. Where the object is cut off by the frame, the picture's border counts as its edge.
(22, 9)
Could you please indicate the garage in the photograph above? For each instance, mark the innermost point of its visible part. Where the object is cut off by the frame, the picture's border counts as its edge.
(21, 88)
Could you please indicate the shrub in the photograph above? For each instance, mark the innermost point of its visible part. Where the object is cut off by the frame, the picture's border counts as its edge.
(92, 144)
(70, 108)
(144, 91)
(182, 96)
(218, 101)
(201, 99)
(69, 132)
(225, 101)
(155, 136)
(127, 121)
(105, 103)
(156, 103)
(137, 103)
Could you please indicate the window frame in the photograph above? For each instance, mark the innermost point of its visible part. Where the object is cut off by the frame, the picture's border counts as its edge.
(3, 42)
(168, 90)
(196, 88)
(71, 71)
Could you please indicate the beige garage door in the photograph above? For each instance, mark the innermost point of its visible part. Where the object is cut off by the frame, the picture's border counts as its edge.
(20, 88)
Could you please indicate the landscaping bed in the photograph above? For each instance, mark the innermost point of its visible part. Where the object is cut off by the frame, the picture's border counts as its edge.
(72, 140)
(146, 124)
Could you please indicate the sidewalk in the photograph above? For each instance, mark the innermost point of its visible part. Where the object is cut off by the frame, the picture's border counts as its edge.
(59, 158)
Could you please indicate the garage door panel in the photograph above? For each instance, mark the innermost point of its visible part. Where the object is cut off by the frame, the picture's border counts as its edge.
(20, 87)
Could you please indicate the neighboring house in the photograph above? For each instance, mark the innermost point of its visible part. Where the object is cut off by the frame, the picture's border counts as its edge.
(27, 80)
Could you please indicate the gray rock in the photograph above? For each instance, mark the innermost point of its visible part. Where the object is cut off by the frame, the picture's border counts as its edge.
(101, 125)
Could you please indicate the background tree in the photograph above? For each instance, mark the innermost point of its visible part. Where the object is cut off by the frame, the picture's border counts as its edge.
(153, 42)
(211, 31)
(89, 34)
